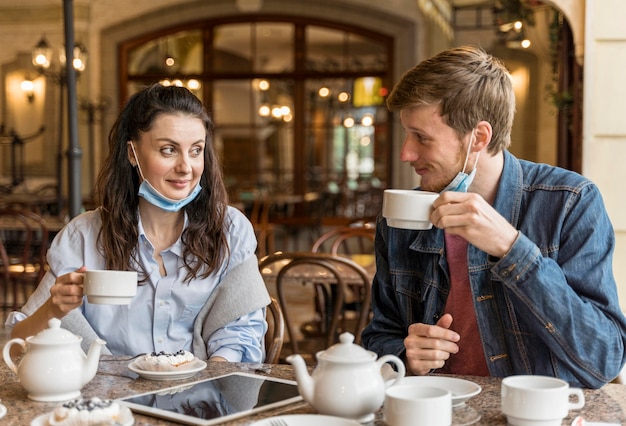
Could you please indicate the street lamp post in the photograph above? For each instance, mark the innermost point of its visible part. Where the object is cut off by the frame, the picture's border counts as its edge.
(42, 60)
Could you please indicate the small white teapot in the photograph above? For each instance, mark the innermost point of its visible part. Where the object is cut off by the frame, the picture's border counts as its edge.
(347, 381)
(54, 367)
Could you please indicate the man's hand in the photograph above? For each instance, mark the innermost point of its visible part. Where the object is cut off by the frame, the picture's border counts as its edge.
(473, 218)
(429, 346)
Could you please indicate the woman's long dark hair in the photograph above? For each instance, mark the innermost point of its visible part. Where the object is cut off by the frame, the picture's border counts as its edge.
(204, 239)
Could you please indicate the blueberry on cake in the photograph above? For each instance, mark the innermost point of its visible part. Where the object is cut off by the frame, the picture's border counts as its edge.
(90, 411)
(164, 361)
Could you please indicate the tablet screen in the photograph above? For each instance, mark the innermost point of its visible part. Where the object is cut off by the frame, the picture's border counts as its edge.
(215, 400)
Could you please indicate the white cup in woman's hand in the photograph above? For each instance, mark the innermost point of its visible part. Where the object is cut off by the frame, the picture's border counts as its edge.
(110, 287)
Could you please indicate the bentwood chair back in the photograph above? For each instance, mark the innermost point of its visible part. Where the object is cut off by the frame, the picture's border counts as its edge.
(355, 241)
(348, 240)
(5, 276)
(263, 229)
(275, 336)
(25, 237)
(298, 269)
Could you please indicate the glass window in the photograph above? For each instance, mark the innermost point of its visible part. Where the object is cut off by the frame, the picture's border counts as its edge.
(284, 123)
(330, 50)
(179, 53)
(253, 47)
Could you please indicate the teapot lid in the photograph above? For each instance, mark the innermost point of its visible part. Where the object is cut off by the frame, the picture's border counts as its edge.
(54, 335)
(346, 351)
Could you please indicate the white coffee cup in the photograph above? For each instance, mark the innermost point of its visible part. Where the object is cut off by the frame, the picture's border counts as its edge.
(407, 208)
(410, 405)
(110, 287)
(538, 400)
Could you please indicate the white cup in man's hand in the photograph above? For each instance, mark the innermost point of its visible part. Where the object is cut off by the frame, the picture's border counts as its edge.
(538, 400)
(110, 287)
(407, 208)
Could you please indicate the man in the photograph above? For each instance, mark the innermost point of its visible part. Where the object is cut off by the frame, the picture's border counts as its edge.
(516, 275)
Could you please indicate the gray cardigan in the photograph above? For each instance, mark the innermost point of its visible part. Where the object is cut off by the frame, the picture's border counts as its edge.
(240, 292)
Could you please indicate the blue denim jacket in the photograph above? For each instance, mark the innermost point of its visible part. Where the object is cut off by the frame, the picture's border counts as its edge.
(549, 307)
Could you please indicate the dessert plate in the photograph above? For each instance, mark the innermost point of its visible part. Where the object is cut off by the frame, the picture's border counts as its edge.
(307, 420)
(126, 418)
(3, 411)
(461, 389)
(182, 373)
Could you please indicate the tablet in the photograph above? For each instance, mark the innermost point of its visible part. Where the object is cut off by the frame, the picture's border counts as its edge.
(215, 400)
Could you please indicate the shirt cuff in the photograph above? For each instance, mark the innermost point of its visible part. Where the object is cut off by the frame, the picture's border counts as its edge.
(13, 318)
(228, 354)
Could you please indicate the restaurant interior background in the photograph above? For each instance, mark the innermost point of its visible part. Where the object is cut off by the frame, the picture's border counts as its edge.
(297, 88)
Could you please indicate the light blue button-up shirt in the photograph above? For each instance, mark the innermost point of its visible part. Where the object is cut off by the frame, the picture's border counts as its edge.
(161, 315)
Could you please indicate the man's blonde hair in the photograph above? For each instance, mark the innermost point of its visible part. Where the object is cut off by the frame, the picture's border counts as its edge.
(469, 86)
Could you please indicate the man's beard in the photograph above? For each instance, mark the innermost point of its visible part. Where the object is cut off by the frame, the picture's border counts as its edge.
(439, 184)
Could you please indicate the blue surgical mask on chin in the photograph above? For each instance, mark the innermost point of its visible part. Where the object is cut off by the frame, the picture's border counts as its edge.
(462, 180)
(154, 197)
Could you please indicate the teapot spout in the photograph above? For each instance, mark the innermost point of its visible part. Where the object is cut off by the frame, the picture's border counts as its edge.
(91, 361)
(305, 381)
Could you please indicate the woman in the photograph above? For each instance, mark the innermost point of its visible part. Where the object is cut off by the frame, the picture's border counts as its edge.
(164, 213)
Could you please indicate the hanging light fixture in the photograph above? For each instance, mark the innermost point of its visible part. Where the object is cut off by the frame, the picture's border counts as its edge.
(42, 57)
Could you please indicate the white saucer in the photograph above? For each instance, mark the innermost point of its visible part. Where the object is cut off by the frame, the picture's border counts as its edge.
(462, 390)
(126, 419)
(3, 411)
(308, 420)
(184, 372)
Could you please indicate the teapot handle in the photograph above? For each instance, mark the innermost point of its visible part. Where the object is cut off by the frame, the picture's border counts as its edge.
(398, 363)
(6, 353)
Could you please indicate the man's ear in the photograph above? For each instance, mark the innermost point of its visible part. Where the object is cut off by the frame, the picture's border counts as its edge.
(482, 134)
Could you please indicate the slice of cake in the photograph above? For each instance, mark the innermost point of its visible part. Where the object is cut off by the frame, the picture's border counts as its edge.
(164, 361)
(90, 411)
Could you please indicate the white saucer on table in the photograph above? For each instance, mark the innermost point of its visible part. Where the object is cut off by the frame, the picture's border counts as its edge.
(182, 372)
(3, 411)
(307, 420)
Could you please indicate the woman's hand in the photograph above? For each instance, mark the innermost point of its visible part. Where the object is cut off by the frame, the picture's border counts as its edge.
(67, 293)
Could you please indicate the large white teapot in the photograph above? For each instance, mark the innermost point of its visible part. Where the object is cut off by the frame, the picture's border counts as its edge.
(347, 380)
(54, 367)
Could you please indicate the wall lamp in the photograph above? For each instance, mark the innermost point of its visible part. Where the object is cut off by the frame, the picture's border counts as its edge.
(42, 58)
(28, 87)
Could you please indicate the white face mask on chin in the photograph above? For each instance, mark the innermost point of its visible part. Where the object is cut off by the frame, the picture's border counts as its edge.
(462, 180)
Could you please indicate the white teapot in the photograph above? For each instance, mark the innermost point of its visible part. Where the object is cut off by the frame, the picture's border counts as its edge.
(347, 381)
(54, 367)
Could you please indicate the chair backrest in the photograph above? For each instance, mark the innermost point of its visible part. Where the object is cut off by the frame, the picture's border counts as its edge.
(346, 240)
(26, 239)
(17, 234)
(275, 336)
(295, 269)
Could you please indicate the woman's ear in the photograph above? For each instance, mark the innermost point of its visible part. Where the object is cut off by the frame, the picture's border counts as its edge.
(482, 134)
(131, 154)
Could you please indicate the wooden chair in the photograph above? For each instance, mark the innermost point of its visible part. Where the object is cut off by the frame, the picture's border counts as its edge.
(354, 241)
(5, 277)
(347, 240)
(26, 240)
(275, 336)
(263, 229)
(298, 269)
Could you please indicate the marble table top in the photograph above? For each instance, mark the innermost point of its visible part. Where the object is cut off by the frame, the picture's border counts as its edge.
(115, 380)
